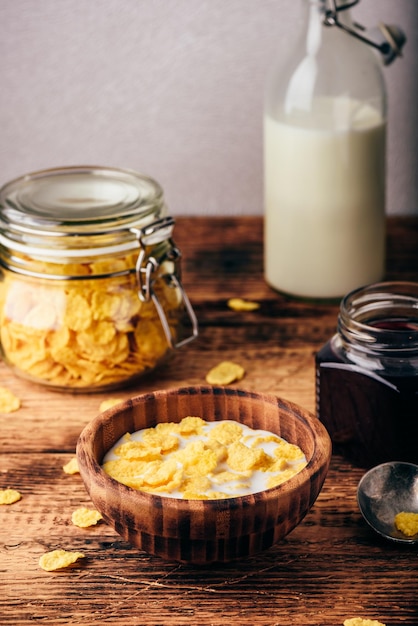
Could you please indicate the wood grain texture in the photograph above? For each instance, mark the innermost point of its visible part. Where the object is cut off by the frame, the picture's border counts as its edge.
(328, 568)
(197, 531)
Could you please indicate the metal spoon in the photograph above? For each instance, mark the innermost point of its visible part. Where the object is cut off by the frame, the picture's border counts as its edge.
(386, 490)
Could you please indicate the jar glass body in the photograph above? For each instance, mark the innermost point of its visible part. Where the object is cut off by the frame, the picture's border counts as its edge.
(324, 164)
(367, 376)
(73, 314)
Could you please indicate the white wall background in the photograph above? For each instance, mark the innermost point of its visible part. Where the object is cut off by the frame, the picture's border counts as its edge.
(173, 89)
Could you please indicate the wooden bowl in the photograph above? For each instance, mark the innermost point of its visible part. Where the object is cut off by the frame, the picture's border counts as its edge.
(204, 531)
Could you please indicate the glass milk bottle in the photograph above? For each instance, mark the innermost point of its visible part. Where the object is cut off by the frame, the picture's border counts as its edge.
(324, 162)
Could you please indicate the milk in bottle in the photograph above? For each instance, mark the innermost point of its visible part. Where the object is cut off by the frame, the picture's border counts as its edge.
(324, 165)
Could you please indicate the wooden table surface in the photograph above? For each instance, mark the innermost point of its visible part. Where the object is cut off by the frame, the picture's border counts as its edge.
(330, 568)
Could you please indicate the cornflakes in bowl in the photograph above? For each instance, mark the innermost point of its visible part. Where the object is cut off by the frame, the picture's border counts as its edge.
(208, 523)
(212, 460)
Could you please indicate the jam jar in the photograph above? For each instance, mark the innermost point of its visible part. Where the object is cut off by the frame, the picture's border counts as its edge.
(367, 375)
(90, 290)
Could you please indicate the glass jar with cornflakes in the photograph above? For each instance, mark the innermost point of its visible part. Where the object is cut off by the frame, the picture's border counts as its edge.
(90, 289)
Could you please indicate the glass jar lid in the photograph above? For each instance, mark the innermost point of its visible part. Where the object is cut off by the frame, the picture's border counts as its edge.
(76, 208)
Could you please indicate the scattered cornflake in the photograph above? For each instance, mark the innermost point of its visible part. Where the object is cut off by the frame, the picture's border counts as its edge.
(107, 404)
(8, 401)
(9, 496)
(407, 523)
(358, 621)
(58, 559)
(71, 467)
(225, 373)
(84, 517)
(238, 304)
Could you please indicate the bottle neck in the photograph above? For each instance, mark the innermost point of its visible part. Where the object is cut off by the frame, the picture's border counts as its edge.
(330, 80)
(342, 7)
(317, 23)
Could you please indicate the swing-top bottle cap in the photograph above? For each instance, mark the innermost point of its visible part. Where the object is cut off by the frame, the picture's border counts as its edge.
(388, 39)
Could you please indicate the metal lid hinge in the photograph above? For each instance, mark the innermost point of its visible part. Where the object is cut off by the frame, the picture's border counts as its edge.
(159, 258)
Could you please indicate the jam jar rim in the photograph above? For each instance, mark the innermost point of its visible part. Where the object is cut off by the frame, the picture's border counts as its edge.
(368, 302)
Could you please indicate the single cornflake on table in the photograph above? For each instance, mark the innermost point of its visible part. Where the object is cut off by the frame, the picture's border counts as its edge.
(71, 467)
(58, 559)
(239, 304)
(9, 496)
(8, 401)
(225, 373)
(108, 404)
(84, 517)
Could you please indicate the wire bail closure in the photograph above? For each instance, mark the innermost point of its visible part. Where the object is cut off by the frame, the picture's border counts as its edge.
(388, 39)
(164, 251)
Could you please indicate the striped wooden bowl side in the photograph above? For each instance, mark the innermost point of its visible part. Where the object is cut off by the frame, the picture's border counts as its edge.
(204, 531)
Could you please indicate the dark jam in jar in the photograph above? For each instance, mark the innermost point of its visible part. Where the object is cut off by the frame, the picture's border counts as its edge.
(367, 376)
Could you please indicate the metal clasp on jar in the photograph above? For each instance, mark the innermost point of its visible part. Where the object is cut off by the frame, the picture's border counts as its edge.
(158, 249)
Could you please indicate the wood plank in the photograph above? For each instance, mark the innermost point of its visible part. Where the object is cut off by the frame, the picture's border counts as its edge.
(326, 563)
(332, 566)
